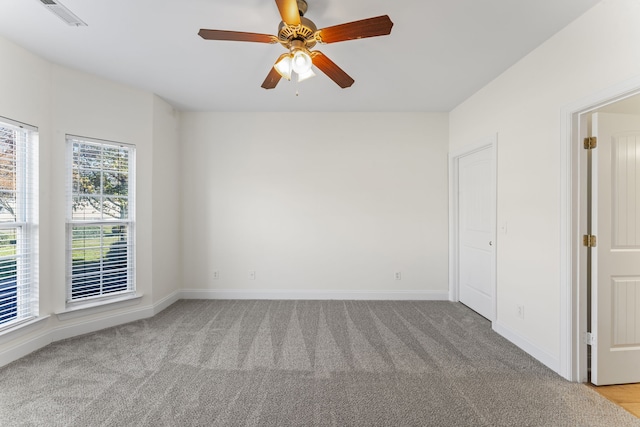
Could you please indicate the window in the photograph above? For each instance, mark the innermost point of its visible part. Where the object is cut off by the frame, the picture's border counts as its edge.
(100, 223)
(18, 247)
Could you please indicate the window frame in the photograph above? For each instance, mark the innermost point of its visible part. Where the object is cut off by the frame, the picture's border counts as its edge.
(74, 224)
(25, 224)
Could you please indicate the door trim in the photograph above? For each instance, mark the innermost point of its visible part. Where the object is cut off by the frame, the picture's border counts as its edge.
(490, 143)
(573, 304)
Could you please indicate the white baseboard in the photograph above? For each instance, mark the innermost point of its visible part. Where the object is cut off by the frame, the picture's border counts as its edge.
(166, 302)
(536, 352)
(96, 307)
(315, 295)
(63, 332)
(46, 337)
(18, 351)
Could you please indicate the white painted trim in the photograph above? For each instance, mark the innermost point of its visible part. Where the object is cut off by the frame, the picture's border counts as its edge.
(68, 331)
(567, 213)
(478, 145)
(453, 228)
(86, 327)
(538, 353)
(166, 302)
(313, 295)
(490, 142)
(23, 329)
(573, 363)
(63, 332)
(99, 306)
(16, 352)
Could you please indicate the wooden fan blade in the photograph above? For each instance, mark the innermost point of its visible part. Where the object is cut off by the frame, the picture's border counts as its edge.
(330, 68)
(272, 79)
(289, 11)
(371, 27)
(236, 36)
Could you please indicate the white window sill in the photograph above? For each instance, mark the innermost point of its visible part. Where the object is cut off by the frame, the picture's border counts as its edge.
(22, 328)
(81, 309)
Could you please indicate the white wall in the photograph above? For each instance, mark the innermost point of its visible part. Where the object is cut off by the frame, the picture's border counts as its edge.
(61, 101)
(523, 106)
(86, 105)
(166, 203)
(26, 97)
(318, 205)
(337, 211)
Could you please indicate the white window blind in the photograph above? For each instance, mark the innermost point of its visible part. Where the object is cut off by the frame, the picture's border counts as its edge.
(100, 223)
(18, 210)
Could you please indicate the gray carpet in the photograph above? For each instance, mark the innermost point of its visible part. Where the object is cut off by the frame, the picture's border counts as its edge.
(303, 363)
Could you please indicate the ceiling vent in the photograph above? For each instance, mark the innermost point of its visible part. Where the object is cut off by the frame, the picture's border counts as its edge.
(63, 13)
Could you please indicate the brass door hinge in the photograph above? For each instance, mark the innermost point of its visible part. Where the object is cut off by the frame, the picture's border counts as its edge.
(589, 240)
(590, 142)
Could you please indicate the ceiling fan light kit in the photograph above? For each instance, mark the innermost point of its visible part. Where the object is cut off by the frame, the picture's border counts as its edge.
(283, 66)
(301, 61)
(304, 76)
(299, 35)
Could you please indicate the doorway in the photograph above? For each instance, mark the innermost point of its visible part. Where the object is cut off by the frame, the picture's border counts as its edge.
(613, 273)
(472, 227)
(625, 99)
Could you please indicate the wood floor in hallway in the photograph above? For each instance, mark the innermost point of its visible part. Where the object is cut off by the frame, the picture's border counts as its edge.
(625, 395)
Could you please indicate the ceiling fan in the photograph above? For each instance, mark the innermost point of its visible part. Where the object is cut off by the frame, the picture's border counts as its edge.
(298, 35)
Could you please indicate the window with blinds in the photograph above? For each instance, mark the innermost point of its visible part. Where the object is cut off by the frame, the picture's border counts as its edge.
(18, 210)
(100, 223)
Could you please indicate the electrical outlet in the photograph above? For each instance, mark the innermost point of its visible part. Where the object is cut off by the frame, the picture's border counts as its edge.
(252, 275)
(216, 275)
(520, 311)
(398, 275)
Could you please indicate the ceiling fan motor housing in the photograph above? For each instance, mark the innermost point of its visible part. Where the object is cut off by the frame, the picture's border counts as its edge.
(304, 32)
(302, 7)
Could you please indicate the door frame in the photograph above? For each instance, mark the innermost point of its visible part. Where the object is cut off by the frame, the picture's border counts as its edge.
(490, 143)
(573, 284)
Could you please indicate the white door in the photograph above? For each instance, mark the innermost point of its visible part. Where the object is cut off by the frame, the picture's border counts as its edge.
(476, 211)
(615, 284)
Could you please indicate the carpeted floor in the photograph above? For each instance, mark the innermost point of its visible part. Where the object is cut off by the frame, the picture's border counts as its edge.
(303, 363)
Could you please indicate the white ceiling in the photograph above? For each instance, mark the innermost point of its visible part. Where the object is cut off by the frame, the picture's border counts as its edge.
(438, 54)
